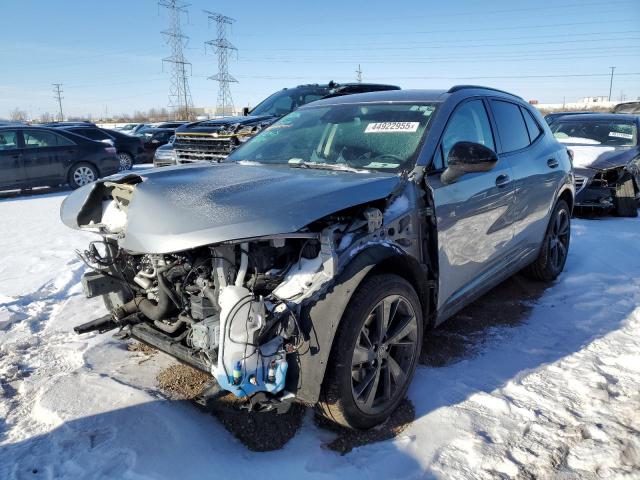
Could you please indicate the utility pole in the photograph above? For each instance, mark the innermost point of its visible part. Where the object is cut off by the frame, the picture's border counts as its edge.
(179, 92)
(58, 96)
(359, 74)
(222, 47)
(611, 82)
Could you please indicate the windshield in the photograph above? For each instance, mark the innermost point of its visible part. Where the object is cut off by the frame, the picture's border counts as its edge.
(366, 136)
(286, 101)
(596, 132)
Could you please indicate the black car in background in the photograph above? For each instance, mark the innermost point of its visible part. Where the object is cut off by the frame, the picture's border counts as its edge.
(552, 117)
(214, 139)
(130, 150)
(171, 124)
(606, 160)
(152, 138)
(38, 156)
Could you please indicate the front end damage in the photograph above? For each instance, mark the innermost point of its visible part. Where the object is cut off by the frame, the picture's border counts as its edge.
(596, 189)
(240, 308)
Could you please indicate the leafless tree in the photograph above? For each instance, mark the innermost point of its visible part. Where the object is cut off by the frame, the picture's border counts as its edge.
(18, 115)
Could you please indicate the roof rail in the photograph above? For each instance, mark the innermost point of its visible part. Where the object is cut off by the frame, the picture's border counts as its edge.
(456, 88)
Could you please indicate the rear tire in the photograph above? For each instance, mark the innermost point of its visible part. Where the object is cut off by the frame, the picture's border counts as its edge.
(126, 161)
(624, 198)
(555, 246)
(371, 366)
(82, 174)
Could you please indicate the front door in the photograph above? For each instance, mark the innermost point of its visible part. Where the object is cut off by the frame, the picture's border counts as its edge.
(473, 214)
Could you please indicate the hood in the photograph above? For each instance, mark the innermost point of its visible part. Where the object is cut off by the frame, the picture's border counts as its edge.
(601, 157)
(179, 208)
(218, 124)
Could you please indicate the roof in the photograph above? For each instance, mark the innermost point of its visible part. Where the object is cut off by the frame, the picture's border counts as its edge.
(603, 116)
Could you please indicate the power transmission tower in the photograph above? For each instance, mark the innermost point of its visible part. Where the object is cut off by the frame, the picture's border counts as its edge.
(179, 92)
(222, 46)
(359, 74)
(58, 96)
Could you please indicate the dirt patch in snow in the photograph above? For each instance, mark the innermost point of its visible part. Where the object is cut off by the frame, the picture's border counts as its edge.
(464, 334)
(182, 382)
(348, 439)
(142, 348)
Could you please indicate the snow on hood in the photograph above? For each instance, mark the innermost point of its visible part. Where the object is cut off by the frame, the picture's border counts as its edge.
(185, 207)
(587, 155)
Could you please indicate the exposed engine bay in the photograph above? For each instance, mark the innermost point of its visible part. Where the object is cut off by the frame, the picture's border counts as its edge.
(231, 308)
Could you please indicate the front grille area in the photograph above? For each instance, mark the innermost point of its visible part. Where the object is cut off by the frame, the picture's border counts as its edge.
(580, 182)
(194, 148)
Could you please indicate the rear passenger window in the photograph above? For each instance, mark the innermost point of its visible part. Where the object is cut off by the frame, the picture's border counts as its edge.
(532, 126)
(511, 127)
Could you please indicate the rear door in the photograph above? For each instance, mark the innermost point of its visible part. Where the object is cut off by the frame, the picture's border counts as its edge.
(47, 155)
(11, 165)
(536, 173)
(473, 214)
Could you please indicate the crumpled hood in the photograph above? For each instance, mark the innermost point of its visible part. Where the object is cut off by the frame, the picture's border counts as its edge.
(218, 124)
(600, 157)
(178, 208)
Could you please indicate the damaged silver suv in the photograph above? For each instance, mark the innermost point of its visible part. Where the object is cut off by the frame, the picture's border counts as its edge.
(308, 265)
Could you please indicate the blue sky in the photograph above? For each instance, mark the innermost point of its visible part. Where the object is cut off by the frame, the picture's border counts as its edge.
(108, 54)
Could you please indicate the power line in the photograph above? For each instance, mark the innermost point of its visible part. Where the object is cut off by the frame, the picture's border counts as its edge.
(222, 47)
(58, 96)
(179, 92)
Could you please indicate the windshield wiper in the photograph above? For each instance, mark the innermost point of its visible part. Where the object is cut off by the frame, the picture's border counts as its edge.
(326, 166)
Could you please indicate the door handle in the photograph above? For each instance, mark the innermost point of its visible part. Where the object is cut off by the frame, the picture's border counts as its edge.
(502, 180)
(553, 163)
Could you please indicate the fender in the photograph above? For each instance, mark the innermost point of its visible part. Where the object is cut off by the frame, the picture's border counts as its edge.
(320, 319)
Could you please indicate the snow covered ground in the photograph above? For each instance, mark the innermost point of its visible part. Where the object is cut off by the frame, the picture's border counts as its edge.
(555, 396)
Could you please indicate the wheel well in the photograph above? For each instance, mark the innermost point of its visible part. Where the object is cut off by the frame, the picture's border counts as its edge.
(567, 197)
(412, 272)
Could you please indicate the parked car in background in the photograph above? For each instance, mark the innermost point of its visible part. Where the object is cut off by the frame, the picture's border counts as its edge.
(606, 160)
(307, 265)
(153, 138)
(172, 124)
(128, 128)
(165, 156)
(213, 140)
(627, 107)
(33, 156)
(552, 117)
(68, 124)
(130, 149)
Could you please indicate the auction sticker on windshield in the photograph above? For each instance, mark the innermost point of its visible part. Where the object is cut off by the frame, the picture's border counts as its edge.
(626, 136)
(392, 127)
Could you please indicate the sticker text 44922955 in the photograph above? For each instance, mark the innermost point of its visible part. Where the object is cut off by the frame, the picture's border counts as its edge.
(383, 127)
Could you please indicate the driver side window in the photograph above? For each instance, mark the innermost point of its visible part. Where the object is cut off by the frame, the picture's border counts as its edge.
(469, 123)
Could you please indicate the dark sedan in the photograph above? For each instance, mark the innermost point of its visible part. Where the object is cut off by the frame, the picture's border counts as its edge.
(152, 138)
(39, 156)
(606, 160)
(130, 150)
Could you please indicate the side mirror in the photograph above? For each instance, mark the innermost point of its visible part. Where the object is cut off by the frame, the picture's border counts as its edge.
(245, 111)
(468, 157)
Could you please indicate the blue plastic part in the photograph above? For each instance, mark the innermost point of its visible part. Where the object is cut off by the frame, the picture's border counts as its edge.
(245, 388)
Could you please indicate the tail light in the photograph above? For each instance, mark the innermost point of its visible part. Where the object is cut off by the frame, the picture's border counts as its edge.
(110, 150)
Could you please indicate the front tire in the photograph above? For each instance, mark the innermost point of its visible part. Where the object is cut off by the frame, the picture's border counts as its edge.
(126, 161)
(555, 247)
(374, 354)
(82, 174)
